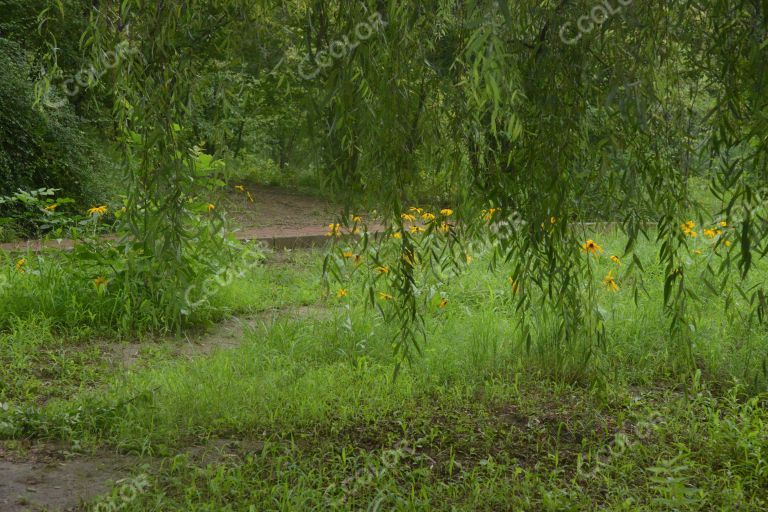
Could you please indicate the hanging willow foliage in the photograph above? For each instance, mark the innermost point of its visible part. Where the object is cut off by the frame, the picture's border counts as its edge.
(520, 100)
(520, 105)
(172, 230)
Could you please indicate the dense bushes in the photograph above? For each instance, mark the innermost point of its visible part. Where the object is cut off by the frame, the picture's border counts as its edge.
(40, 148)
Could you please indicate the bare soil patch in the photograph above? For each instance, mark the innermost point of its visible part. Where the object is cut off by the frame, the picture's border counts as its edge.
(49, 477)
(278, 208)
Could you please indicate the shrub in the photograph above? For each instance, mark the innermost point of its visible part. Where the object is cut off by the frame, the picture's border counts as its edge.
(40, 148)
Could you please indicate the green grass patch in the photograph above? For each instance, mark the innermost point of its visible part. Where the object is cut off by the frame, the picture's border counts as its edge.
(482, 420)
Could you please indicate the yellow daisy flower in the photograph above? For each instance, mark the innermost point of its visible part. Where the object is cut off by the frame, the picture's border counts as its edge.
(610, 282)
(591, 247)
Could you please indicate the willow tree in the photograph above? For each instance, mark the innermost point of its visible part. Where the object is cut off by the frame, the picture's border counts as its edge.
(517, 103)
(519, 99)
(153, 63)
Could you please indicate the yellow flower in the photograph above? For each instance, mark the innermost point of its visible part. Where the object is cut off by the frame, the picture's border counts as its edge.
(211, 207)
(728, 243)
(347, 254)
(341, 293)
(382, 270)
(408, 217)
(689, 229)
(416, 229)
(487, 215)
(100, 281)
(711, 233)
(20, 264)
(385, 296)
(51, 207)
(250, 197)
(415, 209)
(446, 212)
(444, 227)
(610, 282)
(97, 210)
(428, 217)
(357, 218)
(592, 247)
(240, 188)
(723, 224)
(616, 260)
(552, 220)
(397, 234)
(334, 230)
(443, 303)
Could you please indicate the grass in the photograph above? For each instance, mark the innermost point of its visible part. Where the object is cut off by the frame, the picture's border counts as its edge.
(35, 365)
(313, 420)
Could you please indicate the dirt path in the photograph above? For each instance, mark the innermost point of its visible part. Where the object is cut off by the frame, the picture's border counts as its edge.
(222, 336)
(282, 219)
(48, 477)
(278, 208)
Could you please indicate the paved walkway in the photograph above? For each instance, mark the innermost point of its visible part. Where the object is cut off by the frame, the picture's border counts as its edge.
(275, 237)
